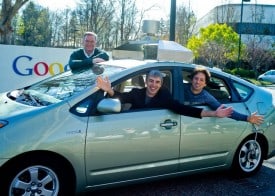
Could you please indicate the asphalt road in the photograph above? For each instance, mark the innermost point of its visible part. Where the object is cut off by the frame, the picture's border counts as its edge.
(210, 184)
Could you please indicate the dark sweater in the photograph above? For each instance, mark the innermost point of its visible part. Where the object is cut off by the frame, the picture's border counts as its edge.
(78, 60)
(163, 99)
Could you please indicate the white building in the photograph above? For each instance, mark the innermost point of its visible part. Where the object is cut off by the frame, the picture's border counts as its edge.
(258, 21)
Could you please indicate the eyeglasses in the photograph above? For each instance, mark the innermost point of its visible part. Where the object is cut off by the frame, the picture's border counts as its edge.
(90, 41)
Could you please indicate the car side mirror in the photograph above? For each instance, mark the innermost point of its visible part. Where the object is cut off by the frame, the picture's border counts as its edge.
(109, 105)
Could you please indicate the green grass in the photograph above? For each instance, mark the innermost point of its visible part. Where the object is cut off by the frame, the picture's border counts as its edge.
(257, 82)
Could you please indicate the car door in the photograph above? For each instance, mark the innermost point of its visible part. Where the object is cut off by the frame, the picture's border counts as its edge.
(208, 142)
(133, 144)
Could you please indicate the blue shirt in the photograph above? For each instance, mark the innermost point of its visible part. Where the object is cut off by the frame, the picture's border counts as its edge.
(204, 97)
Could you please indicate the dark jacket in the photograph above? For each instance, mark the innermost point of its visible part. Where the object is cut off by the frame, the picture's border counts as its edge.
(78, 60)
(163, 99)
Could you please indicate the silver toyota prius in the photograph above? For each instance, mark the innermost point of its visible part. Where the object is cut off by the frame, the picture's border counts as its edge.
(64, 136)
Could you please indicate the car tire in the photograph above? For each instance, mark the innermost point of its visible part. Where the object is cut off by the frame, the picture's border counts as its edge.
(248, 158)
(40, 177)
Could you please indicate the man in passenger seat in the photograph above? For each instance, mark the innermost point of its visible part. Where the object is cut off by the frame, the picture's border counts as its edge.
(195, 93)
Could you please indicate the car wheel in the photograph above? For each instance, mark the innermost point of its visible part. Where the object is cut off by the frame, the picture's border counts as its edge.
(248, 158)
(37, 178)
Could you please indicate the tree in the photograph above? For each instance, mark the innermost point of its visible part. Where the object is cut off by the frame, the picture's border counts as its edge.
(8, 11)
(115, 22)
(59, 23)
(37, 26)
(117, 25)
(127, 18)
(96, 16)
(259, 57)
(215, 45)
(185, 24)
(259, 47)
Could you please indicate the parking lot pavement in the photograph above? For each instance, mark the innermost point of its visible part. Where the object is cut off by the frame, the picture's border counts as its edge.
(209, 184)
(270, 163)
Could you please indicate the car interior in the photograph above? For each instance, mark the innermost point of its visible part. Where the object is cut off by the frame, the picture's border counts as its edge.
(138, 81)
(217, 87)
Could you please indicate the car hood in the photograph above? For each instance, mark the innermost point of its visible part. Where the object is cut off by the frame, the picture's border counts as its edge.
(8, 107)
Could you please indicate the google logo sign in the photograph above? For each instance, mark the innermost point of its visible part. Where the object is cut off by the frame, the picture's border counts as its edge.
(40, 68)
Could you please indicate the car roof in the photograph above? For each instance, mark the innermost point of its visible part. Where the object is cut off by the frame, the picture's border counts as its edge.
(132, 65)
(125, 63)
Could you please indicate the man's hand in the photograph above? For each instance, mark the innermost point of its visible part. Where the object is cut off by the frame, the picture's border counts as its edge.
(223, 111)
(104, 84)
(98, 60)
(255, 119)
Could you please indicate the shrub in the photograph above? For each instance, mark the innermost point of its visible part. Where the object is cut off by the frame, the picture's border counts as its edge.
(243, 73)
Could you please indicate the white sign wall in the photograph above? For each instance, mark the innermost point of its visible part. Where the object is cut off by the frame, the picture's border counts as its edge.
(21, 66)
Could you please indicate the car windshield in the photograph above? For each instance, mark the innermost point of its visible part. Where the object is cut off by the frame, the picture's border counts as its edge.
(60, 87)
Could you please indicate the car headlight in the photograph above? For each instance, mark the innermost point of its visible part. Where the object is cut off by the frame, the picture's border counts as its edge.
(3, 123)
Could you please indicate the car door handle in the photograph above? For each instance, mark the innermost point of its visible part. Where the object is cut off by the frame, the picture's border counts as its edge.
(168, 124)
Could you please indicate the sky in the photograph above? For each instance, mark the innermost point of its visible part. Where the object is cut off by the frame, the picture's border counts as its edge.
(162, 8)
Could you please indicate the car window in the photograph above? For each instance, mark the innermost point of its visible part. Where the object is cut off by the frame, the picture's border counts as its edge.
(59, 87)
(136, 81)
(88, 106)
(216, 87)
(243, 91)
(270, 73)
(139, 81)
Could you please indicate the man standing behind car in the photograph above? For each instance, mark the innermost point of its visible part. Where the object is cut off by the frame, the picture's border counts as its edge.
(87, 56)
